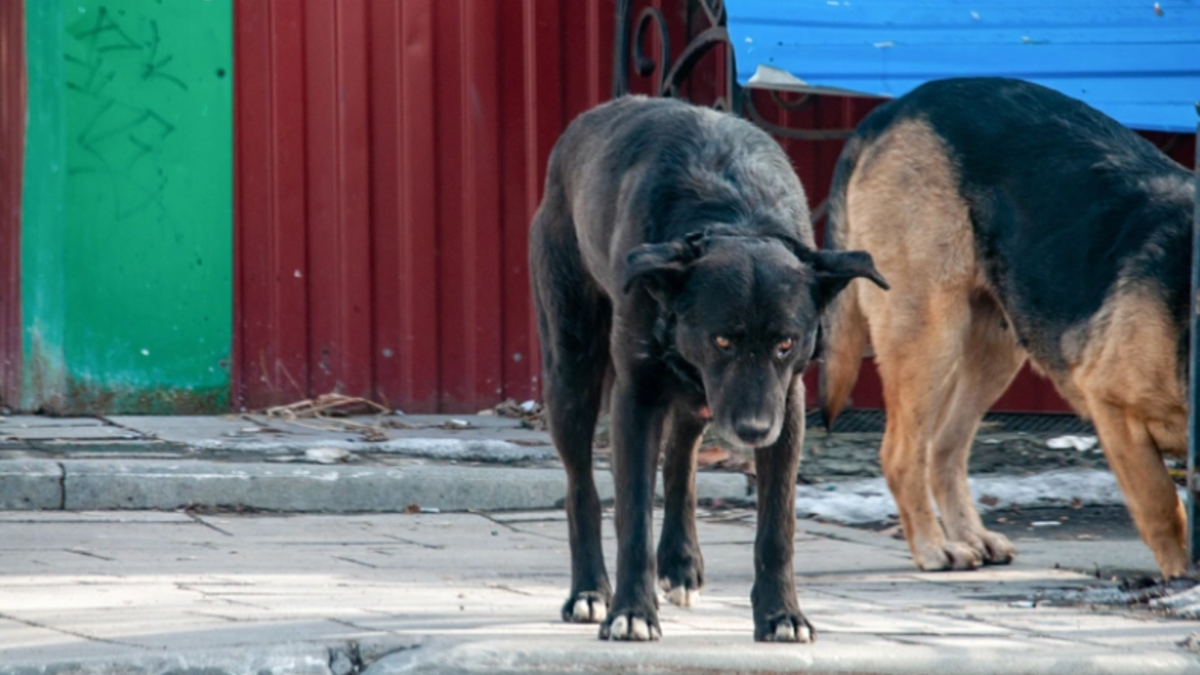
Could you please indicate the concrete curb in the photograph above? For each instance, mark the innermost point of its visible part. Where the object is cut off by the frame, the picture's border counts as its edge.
(574, 657)
(85, 485)
(30, 485)
(571, 656)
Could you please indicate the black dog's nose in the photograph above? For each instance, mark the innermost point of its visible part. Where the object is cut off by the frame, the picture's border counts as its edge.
(753, 431)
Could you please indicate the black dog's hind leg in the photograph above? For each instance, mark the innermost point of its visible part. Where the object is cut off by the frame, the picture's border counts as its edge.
(777, 614)
(573, 321)
(680, 564)
(637, 421)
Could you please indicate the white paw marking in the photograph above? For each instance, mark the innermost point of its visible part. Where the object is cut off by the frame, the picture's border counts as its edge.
(637, 630)
(585, 611)
(785, 633)
(683, 597)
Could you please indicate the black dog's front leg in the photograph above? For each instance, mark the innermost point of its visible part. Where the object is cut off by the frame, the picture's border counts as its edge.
(777, 616)
(680, 563)
(637, 416)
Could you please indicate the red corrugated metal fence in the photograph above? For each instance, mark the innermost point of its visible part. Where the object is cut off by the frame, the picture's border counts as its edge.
(390, 155)
(12, 144)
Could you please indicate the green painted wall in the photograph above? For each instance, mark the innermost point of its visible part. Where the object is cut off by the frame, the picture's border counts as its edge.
(43, 297)
(127, 240)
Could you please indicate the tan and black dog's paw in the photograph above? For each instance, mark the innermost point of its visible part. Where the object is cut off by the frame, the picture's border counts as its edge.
(995, 548)
(947, 556)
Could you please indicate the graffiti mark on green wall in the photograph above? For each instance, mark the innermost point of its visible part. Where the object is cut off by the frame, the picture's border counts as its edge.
(105, 55)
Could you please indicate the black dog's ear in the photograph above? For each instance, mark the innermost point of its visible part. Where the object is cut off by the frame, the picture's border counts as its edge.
(836, 269)
(659, 268)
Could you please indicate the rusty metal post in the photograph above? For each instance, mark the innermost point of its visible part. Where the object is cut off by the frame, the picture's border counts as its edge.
(1193, 481)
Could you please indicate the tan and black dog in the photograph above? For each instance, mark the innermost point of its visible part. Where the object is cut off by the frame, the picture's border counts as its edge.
(672, 256)
(1014, 223)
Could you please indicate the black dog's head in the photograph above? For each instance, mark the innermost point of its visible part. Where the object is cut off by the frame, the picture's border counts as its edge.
(745, 314)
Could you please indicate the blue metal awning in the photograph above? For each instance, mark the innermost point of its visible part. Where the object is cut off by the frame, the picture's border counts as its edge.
(1138, 61)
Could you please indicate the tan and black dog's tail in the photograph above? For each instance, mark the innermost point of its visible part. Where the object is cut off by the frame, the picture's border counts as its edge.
(844, 327)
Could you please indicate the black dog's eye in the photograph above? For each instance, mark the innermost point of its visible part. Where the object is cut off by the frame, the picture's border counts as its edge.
(784, 348)
(723, 343)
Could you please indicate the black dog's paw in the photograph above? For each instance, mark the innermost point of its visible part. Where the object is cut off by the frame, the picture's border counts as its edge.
(680, 594)
(783, 626)
(681, 576)
(586, 607)
(630, 623)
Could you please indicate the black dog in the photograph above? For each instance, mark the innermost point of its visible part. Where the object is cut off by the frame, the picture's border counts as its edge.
(672, 258)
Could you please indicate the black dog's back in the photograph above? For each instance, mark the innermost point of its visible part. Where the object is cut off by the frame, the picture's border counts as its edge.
(707, 168)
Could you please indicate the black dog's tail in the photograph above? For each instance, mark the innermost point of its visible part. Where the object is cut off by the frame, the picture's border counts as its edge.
(844, 329)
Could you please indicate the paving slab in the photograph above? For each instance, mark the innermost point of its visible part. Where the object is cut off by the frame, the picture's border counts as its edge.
(130, 517)
(87, 432)
(470, 438)
(182, 428)
(37, 421)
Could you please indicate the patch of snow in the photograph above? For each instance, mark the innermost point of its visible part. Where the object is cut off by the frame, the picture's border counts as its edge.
(859, 501)
(327, 455)
(1185, 604)
(864, 501)
(1080, 443)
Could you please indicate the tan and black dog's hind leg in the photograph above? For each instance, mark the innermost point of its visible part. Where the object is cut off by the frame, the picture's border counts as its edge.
(919, 351)
(573, 322)
(680, 563)
(1128, 378)
(990, 360)
(903, 206)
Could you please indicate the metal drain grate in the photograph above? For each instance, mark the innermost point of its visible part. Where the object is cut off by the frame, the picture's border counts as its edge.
(873, 421)
(852, 422)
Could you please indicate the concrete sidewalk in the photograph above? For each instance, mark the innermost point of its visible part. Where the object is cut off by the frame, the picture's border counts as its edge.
(148, 546)
(168, 593)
